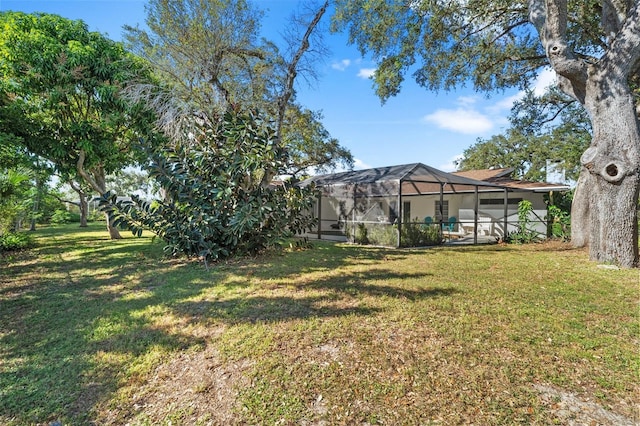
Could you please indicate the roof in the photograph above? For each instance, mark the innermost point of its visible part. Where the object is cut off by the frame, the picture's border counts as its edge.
(415, 172)
(486, 174)
(503, 177)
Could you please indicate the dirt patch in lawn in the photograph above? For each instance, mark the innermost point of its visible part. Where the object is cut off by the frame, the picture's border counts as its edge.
(571, 410)
(193, 388)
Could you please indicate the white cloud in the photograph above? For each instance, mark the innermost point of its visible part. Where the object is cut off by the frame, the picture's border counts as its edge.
(450, 166)
(505, 103)
(540, 86)
(468, 120)
(545, 79)
(341, 65)
(461, 120)
(466, 100)
(366, 72)
(358, 164)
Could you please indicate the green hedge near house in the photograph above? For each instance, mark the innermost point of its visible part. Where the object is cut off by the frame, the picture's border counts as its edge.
(414, 234)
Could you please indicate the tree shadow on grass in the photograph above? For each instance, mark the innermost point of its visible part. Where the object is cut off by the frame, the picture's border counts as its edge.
(71, 324)
(349, 294)
(68, 330)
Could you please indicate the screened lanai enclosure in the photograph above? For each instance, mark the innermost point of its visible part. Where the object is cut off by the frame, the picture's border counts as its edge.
(417, 205)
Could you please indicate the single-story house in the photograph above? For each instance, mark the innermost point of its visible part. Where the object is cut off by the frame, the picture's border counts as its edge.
(480, 203)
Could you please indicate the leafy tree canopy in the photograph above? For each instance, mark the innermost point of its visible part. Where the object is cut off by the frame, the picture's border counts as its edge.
(550, 127)
(490, 44)
(60, 87)
(310, 147)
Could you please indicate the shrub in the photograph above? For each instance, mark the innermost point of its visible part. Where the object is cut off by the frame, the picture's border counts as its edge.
(383, 235)
(60, 216)
(362, 234)
(217, 203)
(416, 234)
(560, 222)
(12, 241)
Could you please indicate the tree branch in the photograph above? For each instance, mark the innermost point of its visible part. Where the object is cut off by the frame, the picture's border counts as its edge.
(82, 172)
(613, 15)
(283, 100)
(550, 19)
(624, 53)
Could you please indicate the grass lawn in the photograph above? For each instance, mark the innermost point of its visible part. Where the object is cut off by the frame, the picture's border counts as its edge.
(94, 331)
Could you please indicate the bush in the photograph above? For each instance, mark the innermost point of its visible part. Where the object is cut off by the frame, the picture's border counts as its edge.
(60, 216)
(217, 204)
(12, 241)
(362, 234)
(416, 234)
(383, 235)
(560, 223)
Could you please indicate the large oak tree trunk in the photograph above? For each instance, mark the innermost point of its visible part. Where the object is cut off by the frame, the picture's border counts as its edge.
(580, 210)
(612, 162)
(605, 202)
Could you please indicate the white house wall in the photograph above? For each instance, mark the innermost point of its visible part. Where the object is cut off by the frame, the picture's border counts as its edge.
(491, 216)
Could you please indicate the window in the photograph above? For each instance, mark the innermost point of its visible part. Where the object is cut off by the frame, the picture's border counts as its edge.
(445, 210)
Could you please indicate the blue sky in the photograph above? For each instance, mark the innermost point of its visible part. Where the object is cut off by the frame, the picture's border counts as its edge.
(415, 126)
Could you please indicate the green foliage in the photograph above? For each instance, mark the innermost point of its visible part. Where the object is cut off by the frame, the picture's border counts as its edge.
(383, 235)
(559, 215)
(209, 52)
(211, 56)
(416, 234)
(444, 44)
(14, 189)
(215, 204)
(12, 241)
(309, 144)
(130, 181)
(548, 127)
(361, 236)
(523, 235)
(60, 94)
(48, 204)
(560, 222)
(61, 216)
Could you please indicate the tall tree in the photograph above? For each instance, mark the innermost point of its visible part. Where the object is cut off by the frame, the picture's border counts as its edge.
(61, 86)
(594, 48)
(212, 59)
